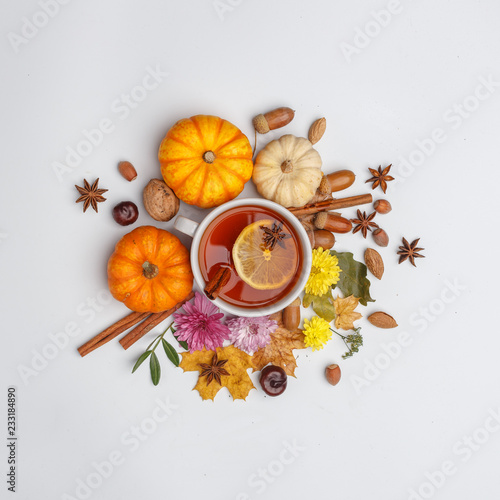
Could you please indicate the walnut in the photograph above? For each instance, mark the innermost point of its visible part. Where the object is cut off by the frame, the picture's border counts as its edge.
(160, 201)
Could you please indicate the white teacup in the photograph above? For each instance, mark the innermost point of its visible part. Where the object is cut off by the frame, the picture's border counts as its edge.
(196, 231)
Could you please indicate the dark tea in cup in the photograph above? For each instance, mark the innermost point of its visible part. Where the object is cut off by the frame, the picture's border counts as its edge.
(216, 251)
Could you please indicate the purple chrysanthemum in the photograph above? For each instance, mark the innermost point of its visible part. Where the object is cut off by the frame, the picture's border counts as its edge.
(200, 326)
(250, 334)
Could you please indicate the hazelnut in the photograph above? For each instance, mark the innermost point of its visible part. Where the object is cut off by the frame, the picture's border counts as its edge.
(380, 237)
(127, 170)
(382, 206)
(333, 374)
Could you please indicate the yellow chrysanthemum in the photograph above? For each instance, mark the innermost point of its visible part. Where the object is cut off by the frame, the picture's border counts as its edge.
(324, 272)
(317, 333)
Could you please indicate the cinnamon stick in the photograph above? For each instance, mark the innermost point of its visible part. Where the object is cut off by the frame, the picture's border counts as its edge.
(326, 205)
(155, 319)
(111, 332)
(217, 283)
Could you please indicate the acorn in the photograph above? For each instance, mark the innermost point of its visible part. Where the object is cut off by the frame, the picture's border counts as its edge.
(272, 120)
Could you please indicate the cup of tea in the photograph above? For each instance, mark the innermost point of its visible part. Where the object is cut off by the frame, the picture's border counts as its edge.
(284, 239)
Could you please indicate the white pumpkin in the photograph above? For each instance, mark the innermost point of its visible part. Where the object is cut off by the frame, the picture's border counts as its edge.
(288, 171)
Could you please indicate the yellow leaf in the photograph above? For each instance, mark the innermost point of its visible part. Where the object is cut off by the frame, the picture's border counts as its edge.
(238, 381)
(279, 351)
(344, 309)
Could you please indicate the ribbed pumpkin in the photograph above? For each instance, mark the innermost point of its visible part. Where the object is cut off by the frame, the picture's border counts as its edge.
(150, 270)
(288, 171)
(205, 160)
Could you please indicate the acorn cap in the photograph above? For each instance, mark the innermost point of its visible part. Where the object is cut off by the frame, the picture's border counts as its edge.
(320, 220)
(324, 186)
(260, 124)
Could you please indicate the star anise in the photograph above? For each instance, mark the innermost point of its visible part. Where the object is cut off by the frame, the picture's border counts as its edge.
(380, 177)
(274, 236)
(90, 195)
(409, 251)
(214, 370)
(364, 223)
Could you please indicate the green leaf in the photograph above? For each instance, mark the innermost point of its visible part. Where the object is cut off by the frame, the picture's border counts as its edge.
(352, 279)
(182, 343)
(323, 306)
(154, 366)
(170, 352)
(307, 300)
(141, 359)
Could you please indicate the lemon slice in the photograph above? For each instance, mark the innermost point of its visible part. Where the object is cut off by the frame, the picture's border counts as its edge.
(258, 266)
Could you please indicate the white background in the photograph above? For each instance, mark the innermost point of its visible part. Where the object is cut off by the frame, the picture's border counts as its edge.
(378, 439)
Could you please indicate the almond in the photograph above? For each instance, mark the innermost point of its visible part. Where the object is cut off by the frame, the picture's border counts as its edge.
(127, 170)
(382, 320)
(317, 130)
(380, 237)
(374, 263)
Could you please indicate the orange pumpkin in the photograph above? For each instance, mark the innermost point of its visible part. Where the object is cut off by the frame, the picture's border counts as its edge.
(205, 160)
(150, 270)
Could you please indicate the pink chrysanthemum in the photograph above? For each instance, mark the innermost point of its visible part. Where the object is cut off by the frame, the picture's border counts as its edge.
(249, 334)
(201, 326)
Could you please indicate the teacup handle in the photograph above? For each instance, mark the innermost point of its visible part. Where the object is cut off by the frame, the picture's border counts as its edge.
(185, 225)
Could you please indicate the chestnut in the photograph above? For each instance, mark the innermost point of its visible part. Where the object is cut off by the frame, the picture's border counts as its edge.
(273, 380)
(125, 213)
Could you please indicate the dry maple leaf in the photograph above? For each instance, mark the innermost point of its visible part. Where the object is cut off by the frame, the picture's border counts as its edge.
(279, 351)
(345, 314)
(238, 381)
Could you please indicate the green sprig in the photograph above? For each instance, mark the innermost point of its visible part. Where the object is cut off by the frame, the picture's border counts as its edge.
(353, 341)
(154, 363)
